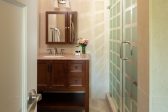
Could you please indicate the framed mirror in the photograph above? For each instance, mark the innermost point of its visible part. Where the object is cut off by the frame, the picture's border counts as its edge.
(61, 27)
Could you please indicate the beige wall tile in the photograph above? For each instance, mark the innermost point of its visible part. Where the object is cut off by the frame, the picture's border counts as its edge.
(99, 30)
(99, 5)
(100, 17)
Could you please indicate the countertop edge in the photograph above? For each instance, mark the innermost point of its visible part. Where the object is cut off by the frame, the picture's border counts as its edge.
(66, 57)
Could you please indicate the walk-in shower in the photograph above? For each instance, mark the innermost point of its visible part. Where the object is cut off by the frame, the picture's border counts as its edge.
(123, 54)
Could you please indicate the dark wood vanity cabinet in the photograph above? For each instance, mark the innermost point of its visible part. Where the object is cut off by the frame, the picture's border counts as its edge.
(47, 80)
(58, 76)
(66, 81)
(43, 79)
(77, 75)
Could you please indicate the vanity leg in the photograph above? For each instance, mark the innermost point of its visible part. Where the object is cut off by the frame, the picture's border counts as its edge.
(87, 101)
(87, 88)
(86, 110)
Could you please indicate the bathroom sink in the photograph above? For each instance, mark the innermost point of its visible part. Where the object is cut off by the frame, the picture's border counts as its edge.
(53, 56)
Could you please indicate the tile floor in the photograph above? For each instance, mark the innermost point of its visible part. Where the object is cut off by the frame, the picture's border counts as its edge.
(99, 105)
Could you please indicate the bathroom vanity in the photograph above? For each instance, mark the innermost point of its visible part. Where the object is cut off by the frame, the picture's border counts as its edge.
(63, 82)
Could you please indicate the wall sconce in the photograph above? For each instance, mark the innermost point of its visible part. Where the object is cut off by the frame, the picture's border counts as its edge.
(62, 1)
(57, 3)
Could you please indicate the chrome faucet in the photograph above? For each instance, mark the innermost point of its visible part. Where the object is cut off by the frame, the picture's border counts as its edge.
(50, 51)
(62, 51)
(55, 51)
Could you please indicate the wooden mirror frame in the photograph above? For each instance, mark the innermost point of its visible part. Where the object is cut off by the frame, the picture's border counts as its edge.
(67, 26)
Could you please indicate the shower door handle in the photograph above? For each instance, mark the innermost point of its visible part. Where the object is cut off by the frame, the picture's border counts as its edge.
(121, 49)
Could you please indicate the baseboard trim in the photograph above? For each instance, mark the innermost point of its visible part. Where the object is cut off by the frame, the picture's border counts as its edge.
(110, 103)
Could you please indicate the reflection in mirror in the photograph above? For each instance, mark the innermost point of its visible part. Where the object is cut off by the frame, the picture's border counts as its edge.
(56, 28)
(73, 27)
(61, 27)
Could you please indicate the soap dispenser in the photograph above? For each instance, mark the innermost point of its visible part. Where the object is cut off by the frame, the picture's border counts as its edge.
(77, 51)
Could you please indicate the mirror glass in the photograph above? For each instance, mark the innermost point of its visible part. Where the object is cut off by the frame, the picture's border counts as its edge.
(56, 27)
(73, 28)
(61, 27)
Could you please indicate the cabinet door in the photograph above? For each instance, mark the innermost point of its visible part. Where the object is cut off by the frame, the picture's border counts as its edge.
(43, 74)
(76, 74)
(58, 75)
(72, 27)
(61, 27)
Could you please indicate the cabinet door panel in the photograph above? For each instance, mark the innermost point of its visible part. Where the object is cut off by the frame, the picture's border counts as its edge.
(76, 73)
(59, 74)
(56, 27)
(75, 81)
(43, 72)
(61, 27)
(75, 68)
(72, 27)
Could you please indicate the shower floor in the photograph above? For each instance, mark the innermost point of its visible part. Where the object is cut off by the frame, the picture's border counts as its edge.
(99, 105)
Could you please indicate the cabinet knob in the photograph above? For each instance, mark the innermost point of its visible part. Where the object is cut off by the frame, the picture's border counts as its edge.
(50, 87)
(76, 67)
(67, 27)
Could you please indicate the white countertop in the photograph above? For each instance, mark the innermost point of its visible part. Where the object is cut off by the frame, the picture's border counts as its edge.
(63, 57)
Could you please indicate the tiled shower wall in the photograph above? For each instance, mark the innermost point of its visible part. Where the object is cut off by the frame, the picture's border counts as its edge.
(91, 25)
(115, 62)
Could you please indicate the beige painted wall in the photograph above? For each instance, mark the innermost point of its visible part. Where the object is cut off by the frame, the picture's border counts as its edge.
(158, 55)
(91, 25)
(153, 62)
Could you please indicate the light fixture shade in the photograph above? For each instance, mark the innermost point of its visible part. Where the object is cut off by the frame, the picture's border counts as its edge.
(68, 5)
(61, 4)
(62, 1)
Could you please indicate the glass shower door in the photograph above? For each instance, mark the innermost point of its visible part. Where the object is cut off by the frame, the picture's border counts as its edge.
(123, 54)
(129, 45)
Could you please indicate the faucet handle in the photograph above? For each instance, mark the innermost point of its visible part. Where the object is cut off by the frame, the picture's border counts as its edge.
(62, 51)
(50, 50)
(56, 51)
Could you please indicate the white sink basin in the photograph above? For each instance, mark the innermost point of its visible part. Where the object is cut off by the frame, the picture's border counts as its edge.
(53, 56)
